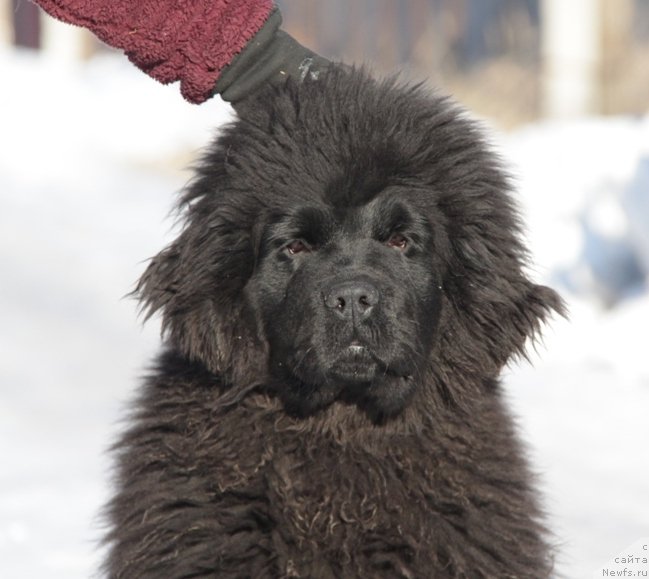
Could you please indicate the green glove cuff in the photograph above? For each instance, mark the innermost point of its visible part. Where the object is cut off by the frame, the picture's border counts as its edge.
(271, 56)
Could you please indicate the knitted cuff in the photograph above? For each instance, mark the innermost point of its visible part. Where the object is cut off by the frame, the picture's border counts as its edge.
(270, 56)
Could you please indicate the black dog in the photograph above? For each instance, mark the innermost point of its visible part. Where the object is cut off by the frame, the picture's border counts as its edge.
(341, 301)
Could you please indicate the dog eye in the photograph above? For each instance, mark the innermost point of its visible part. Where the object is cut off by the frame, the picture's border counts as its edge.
(297, 246)
(397, 241)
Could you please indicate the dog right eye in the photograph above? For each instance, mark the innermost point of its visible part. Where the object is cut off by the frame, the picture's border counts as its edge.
(297, 246)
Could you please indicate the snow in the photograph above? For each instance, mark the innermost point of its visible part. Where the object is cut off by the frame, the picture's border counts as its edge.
(91, 157)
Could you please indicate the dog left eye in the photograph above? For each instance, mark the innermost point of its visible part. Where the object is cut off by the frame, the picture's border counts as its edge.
(397, 241)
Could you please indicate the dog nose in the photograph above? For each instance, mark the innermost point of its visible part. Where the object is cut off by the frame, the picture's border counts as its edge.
(353, 300)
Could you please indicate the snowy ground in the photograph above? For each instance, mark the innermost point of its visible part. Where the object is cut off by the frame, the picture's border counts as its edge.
(89, 161)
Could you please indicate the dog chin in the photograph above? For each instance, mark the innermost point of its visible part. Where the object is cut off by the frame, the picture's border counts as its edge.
(373, 388)
(383, 396)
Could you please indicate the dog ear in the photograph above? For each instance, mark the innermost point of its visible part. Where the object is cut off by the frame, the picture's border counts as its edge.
(491, 310)
(197, 285)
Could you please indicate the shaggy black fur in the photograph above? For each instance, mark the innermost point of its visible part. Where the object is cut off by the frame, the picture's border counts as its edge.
(341, 301)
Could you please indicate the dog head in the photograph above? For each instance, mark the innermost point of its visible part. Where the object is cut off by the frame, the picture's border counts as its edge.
(344, 239)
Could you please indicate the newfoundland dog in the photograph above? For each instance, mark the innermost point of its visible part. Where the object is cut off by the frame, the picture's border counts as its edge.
(347, 287)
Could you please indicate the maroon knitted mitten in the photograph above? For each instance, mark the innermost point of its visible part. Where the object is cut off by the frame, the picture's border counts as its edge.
(186, 40)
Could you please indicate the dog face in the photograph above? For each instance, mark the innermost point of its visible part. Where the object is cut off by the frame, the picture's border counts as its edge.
(342, 239)
(349, 301)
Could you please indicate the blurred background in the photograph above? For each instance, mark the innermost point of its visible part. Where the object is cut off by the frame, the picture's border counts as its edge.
(93, 153)
(510, 60)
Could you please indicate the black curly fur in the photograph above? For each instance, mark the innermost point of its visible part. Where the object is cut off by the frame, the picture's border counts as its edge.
(217, 478)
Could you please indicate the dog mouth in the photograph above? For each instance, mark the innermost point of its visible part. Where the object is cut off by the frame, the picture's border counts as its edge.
(357, 349)
(358, 363)
(355, 374)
